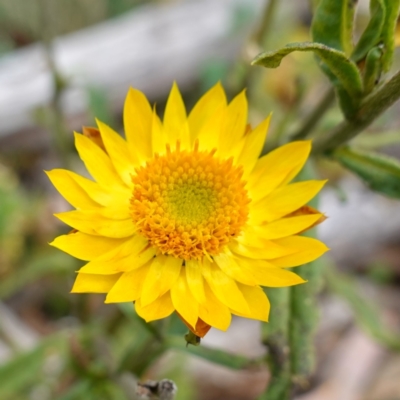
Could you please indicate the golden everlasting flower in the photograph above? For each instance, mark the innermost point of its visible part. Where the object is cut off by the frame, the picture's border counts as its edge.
(183, 215)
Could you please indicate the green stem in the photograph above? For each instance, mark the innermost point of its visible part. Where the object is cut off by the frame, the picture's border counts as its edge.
(303, 322)
(275, 336)
(315, 116)
(373, 106)
(304, 310)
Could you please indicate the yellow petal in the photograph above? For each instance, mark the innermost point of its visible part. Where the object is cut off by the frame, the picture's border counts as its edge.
(163, 273)
(183, 300)
(226, 261)
(137, 123)
(205, 108)
(85, 247)
(224, 287)
(131, 254)
(277, 168)
(132, 262)
(97, 162)
(267, 274)
(91, 283)
(118, 212)
(213, 312)
(253, 146)
(286, 226)
(195, 279)
(283, 201)
(258, 302)
(93, 223)
(117, 149)
(270, 250)
(70, 190)
(309, 249)
(234, 126)
(158, 309)
(175, 121)
(129, 286)
(118, 197)
(209, 133)
(158, 139)
(266, 185)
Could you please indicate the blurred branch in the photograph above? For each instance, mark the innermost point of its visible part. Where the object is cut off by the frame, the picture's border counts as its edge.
(373, 106)
(55, 119)
(315, 116)
(243, 70)
(366, 312)
(261, 33)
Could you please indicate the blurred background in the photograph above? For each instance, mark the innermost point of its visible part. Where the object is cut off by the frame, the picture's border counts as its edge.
(65, 62)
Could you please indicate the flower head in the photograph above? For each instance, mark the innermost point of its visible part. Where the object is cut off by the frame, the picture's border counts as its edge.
(184, 216)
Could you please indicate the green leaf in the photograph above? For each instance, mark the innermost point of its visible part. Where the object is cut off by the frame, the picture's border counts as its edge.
(388, 32)
(342, 69)
(377, 140)
(372, 70)
(372, 34)
(333, 24)
(347, 104)
(380, 172)
(380, 31)
(215, 356)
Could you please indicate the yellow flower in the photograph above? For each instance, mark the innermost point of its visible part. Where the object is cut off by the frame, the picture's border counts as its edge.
(183, 215)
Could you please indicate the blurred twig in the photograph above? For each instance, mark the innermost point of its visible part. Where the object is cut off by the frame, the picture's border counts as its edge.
(260, 35)
(162, 390)
(55, 118)
(253, 46)
(312, 119)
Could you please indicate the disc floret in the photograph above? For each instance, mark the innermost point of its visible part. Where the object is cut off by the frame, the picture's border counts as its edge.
(189, 204)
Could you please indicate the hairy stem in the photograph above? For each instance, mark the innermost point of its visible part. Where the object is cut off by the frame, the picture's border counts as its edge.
(373, 106)
(275, 336)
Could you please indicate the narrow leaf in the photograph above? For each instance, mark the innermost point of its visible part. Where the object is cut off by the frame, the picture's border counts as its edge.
(388, 32)
(26, 369)
(333, 24)
(343, 69)
(372, 34)
(372, 70)
(366, 311)
(373, 141)
(220, 357)
(380, 172)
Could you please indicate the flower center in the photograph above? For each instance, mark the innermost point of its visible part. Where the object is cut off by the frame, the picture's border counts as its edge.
(189, 203)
